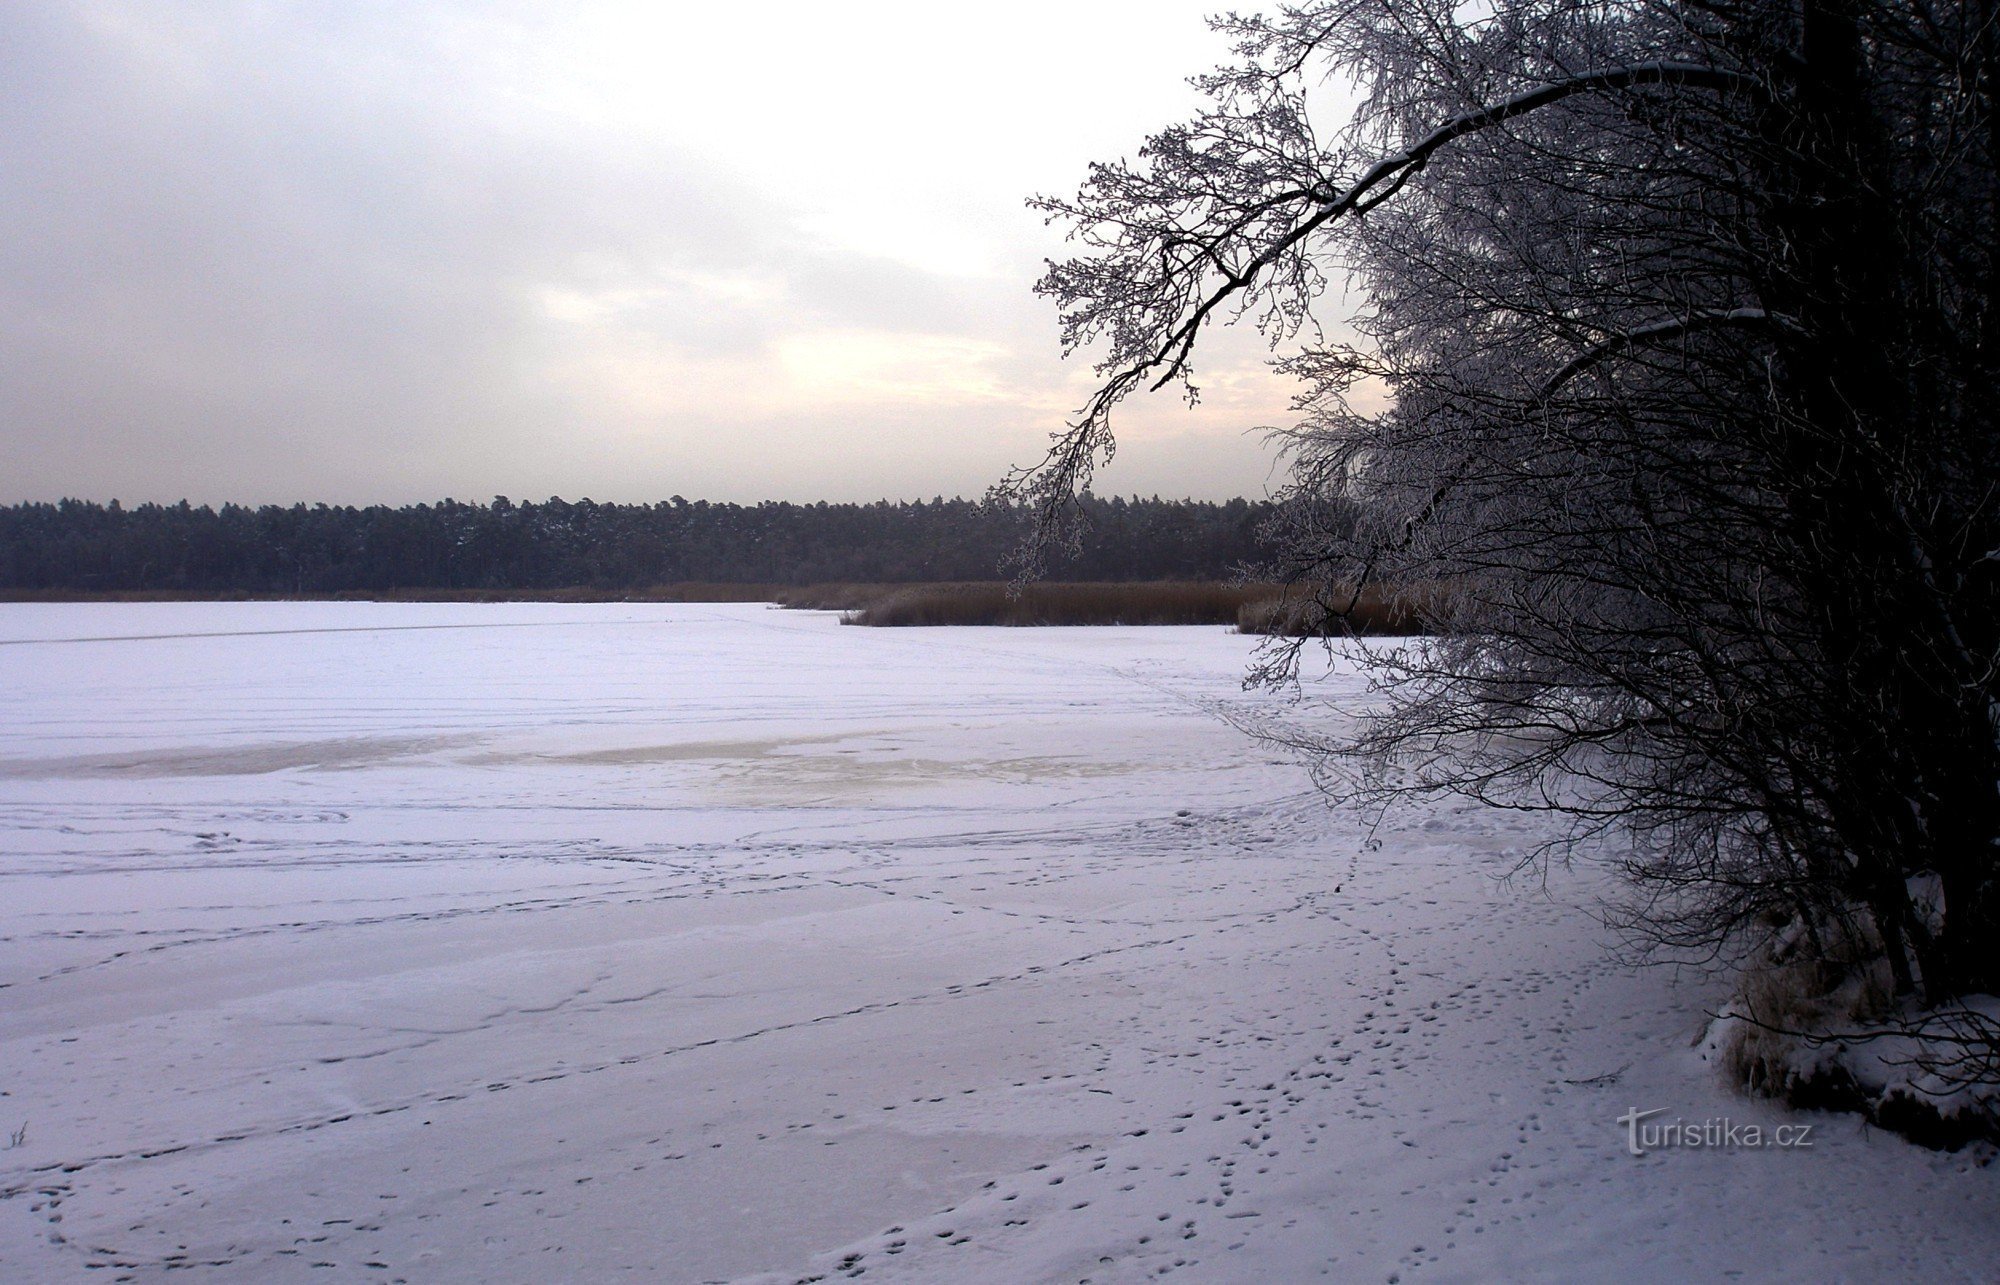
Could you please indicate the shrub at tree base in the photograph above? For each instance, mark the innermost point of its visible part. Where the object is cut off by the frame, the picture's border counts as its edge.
(1822, 1029)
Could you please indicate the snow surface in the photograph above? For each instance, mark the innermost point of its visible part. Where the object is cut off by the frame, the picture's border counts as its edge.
(537, 942)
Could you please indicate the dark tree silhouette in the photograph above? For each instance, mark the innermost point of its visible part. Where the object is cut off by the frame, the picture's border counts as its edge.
(502, 546)
(1683, 315)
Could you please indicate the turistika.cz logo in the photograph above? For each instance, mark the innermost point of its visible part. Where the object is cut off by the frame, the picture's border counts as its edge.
(1719, 1134)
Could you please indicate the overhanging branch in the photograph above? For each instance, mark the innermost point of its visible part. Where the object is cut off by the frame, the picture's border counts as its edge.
(1070, 460)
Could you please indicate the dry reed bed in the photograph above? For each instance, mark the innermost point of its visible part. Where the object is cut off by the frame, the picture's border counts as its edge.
(1376, 611)
(1252, 608)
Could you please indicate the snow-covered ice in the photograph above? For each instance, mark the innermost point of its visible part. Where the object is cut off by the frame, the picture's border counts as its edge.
(536, 942)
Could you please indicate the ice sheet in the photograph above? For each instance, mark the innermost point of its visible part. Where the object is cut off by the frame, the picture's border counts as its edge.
(543, 941)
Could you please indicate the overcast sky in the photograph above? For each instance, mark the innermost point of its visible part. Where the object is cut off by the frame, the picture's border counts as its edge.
(361, 251)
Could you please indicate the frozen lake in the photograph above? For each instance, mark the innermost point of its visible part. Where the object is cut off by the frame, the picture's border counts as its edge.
(693, 943)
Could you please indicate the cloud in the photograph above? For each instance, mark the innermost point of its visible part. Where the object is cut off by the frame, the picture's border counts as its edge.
(372, 251)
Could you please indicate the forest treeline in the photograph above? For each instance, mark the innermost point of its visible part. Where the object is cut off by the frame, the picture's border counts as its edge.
(87, 547)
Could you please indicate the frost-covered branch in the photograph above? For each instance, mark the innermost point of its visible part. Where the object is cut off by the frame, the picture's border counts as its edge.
(1153, 300)
(1756, 318)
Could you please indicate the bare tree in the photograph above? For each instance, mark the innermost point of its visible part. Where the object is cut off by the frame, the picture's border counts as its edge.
(1685, 314)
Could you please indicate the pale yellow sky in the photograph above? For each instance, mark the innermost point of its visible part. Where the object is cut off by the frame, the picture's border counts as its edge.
(356, 252)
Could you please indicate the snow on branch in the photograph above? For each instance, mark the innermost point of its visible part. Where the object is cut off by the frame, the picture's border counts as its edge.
(1154, 301)
(1659, 330)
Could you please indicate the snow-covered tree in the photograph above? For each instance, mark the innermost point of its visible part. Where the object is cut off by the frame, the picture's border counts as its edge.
(1683, 316)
